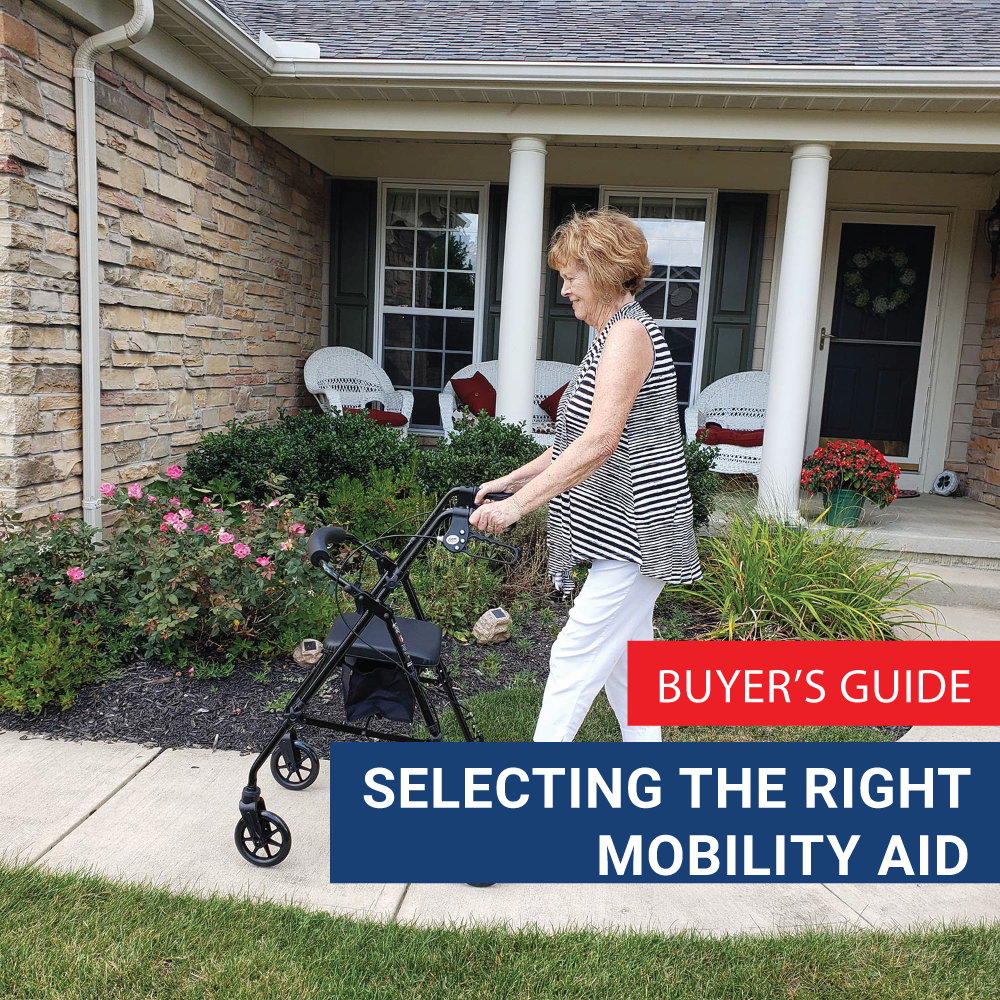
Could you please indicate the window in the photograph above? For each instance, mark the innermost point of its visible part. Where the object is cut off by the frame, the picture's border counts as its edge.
(431, 253)
(675, 294)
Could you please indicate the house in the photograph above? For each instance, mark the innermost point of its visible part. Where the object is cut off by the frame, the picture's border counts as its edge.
(813, 178)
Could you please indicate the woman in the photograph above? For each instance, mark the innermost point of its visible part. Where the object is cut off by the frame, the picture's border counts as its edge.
(615, 479)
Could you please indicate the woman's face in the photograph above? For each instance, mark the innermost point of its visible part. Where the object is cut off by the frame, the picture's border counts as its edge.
(576, 287)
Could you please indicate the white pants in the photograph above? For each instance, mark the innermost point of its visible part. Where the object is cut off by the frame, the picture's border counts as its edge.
(614, 605)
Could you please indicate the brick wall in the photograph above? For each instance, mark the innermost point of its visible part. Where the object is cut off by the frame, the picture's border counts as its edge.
(984, 448)
(211, 249)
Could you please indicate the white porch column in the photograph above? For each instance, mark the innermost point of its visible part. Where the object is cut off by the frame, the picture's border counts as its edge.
(522, 281)
(794, 332)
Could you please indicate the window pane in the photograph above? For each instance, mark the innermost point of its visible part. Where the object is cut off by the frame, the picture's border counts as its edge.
(460, 333)
(464, 210)
(398, 331)
(657, 208)
(690, 208)
(461, 290)
(682, 301)
(400, 206)
(630, 206)
(680, 340)
(397, 366)
(426, 409)
(453, 362)
(429, 333)
(461, 251)
(398, 288)
(429, 290)
(687, 271)
(651, 297)
(432, 210)
(431, 249)
(427, 366)
(399, 247)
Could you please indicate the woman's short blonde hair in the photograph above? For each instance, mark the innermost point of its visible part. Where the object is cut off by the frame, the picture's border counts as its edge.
(609, 245)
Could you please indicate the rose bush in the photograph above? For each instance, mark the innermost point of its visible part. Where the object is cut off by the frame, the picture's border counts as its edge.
(851, 465)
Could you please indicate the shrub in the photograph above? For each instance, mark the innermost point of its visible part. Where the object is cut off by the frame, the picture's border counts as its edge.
(390, 502)
(768, 580)
(475, 452)
(703, 481)
(45, 655)
(310, 450)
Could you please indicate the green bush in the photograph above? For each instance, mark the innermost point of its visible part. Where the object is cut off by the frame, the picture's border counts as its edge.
(475, 452)
(390, 502)
(768, 580)
(310, 450)
(703, 481)
(45, 655)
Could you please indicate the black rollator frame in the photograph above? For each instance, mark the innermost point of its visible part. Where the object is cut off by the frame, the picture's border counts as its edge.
(262, 837)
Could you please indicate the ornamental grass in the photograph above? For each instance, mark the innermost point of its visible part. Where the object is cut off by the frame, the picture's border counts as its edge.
(768, 580)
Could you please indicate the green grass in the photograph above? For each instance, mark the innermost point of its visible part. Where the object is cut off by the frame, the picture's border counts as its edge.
(81, 937)
(509, 716)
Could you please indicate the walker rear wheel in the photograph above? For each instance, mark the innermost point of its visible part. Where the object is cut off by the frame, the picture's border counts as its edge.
(294, 764)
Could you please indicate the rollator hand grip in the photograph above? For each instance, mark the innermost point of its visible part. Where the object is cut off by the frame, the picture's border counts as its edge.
(496, 496)
(320, 541)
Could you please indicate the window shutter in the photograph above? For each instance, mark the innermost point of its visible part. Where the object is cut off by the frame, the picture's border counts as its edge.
(352, 263)
(735, 282)
(494, 270)
(564, 337)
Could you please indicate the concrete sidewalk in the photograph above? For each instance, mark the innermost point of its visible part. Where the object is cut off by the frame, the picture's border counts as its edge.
(167, 816)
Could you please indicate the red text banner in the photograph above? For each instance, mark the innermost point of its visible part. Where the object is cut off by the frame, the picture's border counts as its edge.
(813, 683)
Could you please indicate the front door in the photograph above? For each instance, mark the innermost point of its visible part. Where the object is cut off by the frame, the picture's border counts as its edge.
(877, 319)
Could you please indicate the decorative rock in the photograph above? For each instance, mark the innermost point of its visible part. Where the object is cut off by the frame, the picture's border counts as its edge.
(308, 652)
(493, 626)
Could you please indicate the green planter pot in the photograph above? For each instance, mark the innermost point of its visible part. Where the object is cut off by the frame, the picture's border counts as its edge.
(845, 508)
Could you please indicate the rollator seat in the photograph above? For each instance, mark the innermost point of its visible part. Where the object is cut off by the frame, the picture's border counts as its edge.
(422, 639)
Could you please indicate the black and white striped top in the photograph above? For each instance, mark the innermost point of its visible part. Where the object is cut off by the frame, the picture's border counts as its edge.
(637, 506)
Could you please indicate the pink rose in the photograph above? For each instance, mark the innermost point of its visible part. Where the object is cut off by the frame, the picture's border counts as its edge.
(175, 472)
(135, 491)
(171, 517)
(57, 516)
(163, 527)
(184, 513)
(225, 538)
(299, 529)
(107, 490)
(285, 546)
(205, 500)
(179, 526)
(150, 498)
(262, 560)
(75, 574)
(241, 551)
(203, 528)
(274, 503)
(175, 502)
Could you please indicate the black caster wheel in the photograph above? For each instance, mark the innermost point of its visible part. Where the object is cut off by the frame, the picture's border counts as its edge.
(277, 841)
(295, 765)
(480, 885)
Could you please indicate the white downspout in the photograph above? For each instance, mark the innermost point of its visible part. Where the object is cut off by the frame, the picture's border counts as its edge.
(135, 30)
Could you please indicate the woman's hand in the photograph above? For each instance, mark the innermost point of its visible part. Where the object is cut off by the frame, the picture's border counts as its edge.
(494, 486)
(495, 515)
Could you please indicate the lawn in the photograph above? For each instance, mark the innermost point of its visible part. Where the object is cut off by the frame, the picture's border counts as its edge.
(81, 937)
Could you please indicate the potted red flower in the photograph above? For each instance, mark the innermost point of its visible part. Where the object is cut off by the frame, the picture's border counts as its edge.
(847, 473)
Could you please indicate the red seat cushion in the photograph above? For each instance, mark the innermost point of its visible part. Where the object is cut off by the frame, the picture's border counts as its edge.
(388, 418)
(713, 434)
(550, 404)
(476, 393)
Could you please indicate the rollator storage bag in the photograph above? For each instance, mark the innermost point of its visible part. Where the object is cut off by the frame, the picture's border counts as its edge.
(371, 688)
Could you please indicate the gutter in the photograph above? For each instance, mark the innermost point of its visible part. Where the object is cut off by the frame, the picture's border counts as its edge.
(135, 30)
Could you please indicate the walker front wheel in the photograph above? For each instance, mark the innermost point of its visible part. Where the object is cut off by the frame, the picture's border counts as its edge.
(294, 764)
(274, 846)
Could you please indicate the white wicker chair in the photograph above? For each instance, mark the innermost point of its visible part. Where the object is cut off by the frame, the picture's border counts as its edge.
(738, 403)
(341, 376)
(549, 376)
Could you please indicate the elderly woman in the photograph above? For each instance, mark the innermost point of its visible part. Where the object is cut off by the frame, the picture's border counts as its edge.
(615, 479)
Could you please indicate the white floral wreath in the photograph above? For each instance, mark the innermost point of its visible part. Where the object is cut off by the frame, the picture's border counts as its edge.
(906, 277)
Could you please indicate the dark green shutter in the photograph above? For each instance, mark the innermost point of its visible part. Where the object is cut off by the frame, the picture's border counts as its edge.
(564, 337)
(497, 228)
(353, 215)
(735, 282)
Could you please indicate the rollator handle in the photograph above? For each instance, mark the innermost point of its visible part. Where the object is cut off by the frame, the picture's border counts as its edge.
(496, 496)
(320, 541)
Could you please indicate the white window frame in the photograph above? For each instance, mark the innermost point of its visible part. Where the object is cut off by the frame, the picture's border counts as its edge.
(482, 245)
(711, 196)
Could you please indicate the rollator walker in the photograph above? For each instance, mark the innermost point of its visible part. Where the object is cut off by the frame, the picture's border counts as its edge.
(385, 663)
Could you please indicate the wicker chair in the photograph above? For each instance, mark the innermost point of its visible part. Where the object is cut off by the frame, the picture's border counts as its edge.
(738, 403)
(549, 376)
(341, 376)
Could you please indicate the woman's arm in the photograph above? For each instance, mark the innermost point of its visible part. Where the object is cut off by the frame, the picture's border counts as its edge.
(625, 364)
(517, 479)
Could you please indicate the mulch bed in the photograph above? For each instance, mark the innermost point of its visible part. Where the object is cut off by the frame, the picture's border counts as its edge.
(153, 705)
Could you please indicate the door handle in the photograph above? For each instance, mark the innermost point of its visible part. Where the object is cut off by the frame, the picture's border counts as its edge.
(824, 336)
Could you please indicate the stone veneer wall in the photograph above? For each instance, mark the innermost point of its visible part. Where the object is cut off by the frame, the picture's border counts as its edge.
(983, 481)
(211, 248)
